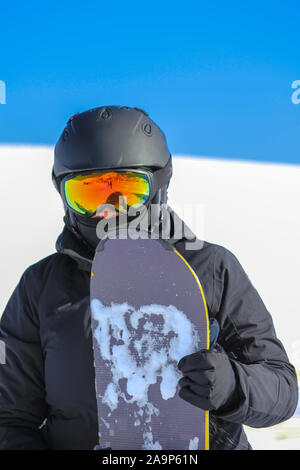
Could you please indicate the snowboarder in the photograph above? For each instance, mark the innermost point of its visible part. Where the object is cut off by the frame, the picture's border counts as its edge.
(47, 385)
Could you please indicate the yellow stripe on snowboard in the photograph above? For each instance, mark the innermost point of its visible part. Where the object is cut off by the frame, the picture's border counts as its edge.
(207, 342)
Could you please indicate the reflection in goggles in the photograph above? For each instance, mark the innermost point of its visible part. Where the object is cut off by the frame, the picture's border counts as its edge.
(85, 193)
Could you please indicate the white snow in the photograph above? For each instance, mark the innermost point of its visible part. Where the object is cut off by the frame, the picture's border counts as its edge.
(148, 442)
(156, 355)
(194, 443)
(249, 207)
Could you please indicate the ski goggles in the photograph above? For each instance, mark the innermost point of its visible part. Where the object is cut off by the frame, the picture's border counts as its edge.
(85, 192)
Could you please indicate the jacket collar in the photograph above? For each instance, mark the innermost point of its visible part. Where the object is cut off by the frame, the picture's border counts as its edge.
(68, 244)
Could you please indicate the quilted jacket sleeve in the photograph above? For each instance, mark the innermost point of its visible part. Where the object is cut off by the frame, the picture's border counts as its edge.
(266, 381)
(22, 396)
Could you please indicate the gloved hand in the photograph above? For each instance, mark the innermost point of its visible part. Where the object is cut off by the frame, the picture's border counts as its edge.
(208, 380)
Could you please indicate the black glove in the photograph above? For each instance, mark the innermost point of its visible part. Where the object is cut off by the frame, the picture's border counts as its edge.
(208, 380)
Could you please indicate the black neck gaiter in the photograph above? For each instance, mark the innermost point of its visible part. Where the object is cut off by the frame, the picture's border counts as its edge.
(85, 228)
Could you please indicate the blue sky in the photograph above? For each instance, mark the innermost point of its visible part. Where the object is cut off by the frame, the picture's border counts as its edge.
(215, 76)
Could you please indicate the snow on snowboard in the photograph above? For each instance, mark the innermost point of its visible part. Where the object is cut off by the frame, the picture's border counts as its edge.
(148, 311)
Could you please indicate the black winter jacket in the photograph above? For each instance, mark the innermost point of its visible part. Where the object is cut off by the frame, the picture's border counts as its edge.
(47, 386)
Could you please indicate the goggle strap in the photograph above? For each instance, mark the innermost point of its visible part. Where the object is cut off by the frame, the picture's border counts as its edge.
(163, 175)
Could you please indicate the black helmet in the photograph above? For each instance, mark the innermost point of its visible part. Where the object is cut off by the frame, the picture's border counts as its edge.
(110, 137)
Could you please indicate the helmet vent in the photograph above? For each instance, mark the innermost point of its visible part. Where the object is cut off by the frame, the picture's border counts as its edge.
(147, 129)
(104, 114)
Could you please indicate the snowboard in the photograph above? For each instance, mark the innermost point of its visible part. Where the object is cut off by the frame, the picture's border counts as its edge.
(148, 310)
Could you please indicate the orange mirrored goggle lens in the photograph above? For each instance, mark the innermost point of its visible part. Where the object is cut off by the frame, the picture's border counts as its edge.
(85, 193)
